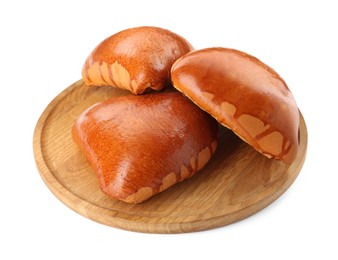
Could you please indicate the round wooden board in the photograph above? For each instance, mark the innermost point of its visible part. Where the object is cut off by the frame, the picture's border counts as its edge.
(236, 183)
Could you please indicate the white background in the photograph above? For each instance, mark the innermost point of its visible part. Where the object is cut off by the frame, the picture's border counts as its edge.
(42, 49)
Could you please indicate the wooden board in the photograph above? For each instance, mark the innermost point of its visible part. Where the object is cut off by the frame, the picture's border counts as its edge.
(235, 184)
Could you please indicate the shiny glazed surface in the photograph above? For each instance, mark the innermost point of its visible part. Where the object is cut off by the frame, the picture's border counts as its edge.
(135, 59)
(243, 94)
(141, 145)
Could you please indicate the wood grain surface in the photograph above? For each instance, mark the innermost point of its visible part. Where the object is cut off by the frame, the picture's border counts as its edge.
(236, 183)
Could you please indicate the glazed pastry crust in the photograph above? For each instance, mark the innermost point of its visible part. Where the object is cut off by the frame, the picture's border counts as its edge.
(243, 94)
(139, 146)
(135, 59)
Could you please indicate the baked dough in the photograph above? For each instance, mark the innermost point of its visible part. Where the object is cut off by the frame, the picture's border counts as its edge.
(243, 94)
(139, 146)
